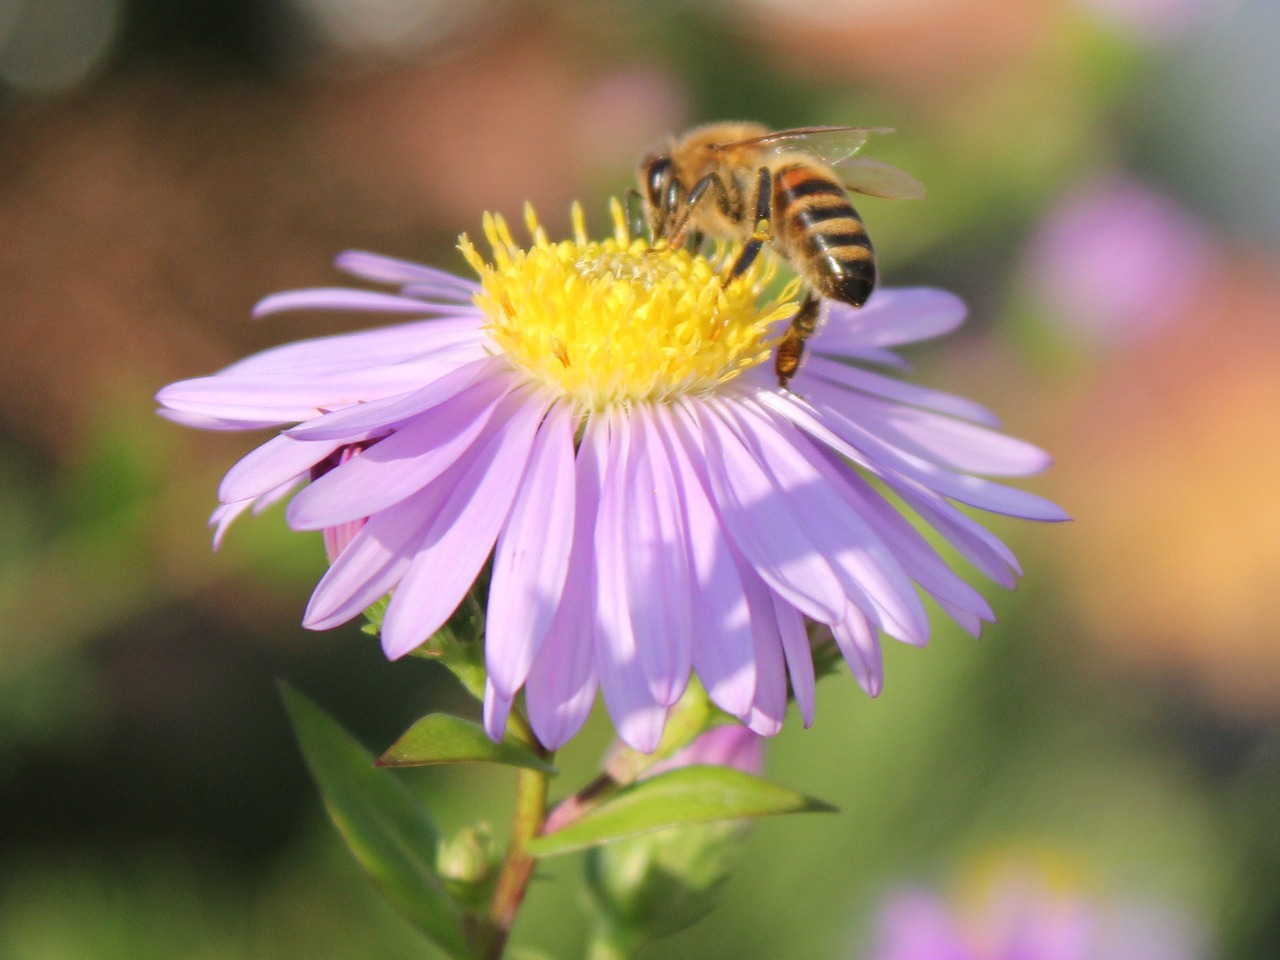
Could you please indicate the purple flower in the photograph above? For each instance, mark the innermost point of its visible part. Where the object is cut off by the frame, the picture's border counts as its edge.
(728, 745)
(600, 418)
(1020, 917)
(1117, 262)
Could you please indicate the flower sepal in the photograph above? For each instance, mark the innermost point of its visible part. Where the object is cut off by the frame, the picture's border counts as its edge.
(457, 646)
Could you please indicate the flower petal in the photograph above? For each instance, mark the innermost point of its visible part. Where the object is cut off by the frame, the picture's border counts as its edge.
(830, 426)
(769, 705)
(656, 577)
(383, 413)
(459, 539)
(532, 557)
(890, 388)
(869, 572)
(271, 464)
(637, 715)
(405, 462)
(346, 298)
(857, 640)
(374, 561)
(892, 316)
(562, 682)
(944, 441)
(799, 656)
(975, 542)
(425, 281)
(920, 561)
(760, 522)
(379, 347)
(721, 628)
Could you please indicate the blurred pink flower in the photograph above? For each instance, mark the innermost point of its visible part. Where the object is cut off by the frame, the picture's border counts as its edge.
(1021, 918)
(1116, 262)
(729, 745)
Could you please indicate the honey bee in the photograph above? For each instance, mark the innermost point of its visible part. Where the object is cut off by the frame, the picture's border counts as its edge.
(788, 188)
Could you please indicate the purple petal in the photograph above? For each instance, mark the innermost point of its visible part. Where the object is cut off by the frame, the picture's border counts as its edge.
(656, 575)
(723, 646)
(857, 640)
(379, 415)
(869, 571)
(374, 561)
(279, 459)
(921, 562)
(562, 683)
(379, 347)
(345, 298)
(974, 542)
(405, 462)
(799, 657)
(224, 516)
(202, 422)
(829, 426)
(769, 705)
(458, 541)
(637, 715)
(890, 388)
(941, 440)
(891, 317)
(496, 709)
(759, 521)
(532, 557)
(377, 268)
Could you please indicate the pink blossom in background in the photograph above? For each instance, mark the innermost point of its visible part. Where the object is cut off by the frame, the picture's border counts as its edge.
(1021, 917)
(1115, 262)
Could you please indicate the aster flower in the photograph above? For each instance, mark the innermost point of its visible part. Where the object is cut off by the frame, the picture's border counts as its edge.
(600, 419)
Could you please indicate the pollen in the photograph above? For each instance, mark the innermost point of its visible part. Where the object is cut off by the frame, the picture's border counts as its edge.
(623, 320)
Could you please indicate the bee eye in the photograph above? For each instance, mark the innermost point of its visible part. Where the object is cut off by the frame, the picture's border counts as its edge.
(659, 173)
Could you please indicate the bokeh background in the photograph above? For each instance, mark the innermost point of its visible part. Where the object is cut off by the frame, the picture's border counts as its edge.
(1104, 193)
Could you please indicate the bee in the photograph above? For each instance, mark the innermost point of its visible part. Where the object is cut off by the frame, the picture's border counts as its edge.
(788, 188)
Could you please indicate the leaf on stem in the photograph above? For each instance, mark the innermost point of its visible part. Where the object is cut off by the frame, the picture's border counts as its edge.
(386, 827)
(688, 795)
(442, 738)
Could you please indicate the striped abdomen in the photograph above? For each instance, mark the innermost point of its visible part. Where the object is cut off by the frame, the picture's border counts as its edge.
(817, 227)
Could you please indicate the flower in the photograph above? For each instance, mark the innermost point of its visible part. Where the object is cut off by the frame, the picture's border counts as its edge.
(1019, 915)
(728, 745)
(600, 419)
(1143, 261)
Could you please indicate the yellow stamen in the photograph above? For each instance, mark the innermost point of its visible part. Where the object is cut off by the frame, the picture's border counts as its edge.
(622, 320)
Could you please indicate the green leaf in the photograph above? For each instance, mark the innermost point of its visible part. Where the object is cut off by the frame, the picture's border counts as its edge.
(385, 826)
(442, 738)
(694, 794)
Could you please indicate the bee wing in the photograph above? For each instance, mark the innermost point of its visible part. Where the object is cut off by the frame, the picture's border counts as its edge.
(832, 144)
(878, 179)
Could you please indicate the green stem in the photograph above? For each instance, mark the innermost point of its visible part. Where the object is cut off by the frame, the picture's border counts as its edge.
(517, 866)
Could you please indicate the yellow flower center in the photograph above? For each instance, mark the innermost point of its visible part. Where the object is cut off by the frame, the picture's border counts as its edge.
(622, 320)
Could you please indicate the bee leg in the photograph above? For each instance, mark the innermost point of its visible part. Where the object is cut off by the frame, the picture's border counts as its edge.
(635, 214)
(761, 232)
(790, 351)
(671, 201)
(697, 192)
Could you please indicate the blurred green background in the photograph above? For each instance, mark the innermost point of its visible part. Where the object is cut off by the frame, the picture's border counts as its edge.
(1103, 192)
